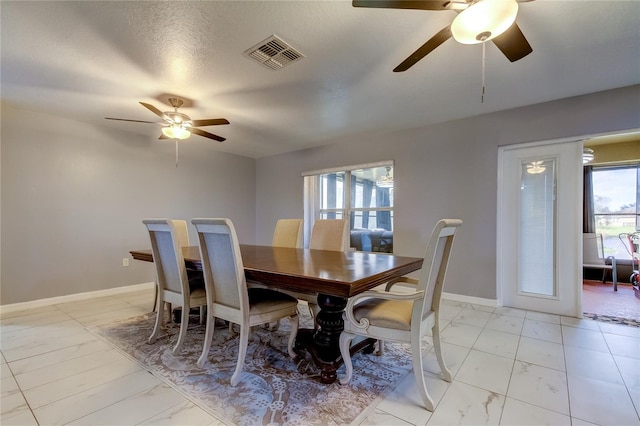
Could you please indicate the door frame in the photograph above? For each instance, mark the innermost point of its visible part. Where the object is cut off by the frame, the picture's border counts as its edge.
(575, 233)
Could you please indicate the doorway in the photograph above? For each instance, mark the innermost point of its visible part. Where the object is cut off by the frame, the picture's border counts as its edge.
(539, 250)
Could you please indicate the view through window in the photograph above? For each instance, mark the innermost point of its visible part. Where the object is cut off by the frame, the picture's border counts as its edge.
(362, 194)
(616, 199)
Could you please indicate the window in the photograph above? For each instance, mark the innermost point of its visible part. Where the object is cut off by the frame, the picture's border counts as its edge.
(616, 196)
(363, 194)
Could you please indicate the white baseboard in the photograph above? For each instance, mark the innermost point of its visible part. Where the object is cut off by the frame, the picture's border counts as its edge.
(74, 297)
(470, 299)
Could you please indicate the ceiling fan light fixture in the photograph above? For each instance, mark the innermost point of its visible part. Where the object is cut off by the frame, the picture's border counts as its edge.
(385, 181)
(176, 131)
(484, 21)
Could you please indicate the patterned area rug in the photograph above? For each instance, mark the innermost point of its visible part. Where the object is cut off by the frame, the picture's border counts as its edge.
(274, 389)
(614, 320)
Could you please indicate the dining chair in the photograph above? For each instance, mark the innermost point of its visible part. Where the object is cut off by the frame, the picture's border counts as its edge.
(288, 233)
(182, 233)
(593, 257)
(404, 316)
(171, 277)
(228, 296)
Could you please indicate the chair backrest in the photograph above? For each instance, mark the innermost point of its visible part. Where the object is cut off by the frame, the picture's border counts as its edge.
(171, 272)
(330, 234)
(288, 233)
(222, 266)
(182, 232)
(592, 248)
(434, 268)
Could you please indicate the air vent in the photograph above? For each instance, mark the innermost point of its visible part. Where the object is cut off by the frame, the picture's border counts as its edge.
(273, 53)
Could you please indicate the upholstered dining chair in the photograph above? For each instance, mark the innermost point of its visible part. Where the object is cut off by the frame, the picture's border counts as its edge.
(288, 233)
(228, 296)
(182, 233)
(171, 277)
(404, 316)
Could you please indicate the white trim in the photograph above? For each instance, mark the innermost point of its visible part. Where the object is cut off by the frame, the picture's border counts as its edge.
(348, 168)
(74, 297)
(470, 299)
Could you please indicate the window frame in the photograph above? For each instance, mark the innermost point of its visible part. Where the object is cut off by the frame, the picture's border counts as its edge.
(312, 207)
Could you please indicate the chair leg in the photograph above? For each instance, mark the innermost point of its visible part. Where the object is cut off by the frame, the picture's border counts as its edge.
(416, 355)
(159, 321)
(203, 310)
(437, 348)
(380, 351)
(155, 297)
(184, 323)
(345, 345)
(294, 332)
(242, 352)
(208, 337)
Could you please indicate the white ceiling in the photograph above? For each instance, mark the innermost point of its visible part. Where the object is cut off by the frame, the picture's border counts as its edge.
(90, 60)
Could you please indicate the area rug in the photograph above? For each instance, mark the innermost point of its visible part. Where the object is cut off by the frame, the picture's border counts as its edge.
(274, 390)
(613, 320)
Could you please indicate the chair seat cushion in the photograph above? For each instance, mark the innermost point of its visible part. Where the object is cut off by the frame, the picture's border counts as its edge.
(263, 300)
(385, 313)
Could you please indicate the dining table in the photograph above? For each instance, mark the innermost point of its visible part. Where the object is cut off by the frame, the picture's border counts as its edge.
(334, 276)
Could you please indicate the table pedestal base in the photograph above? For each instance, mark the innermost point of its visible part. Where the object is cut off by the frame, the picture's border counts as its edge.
(324, 344)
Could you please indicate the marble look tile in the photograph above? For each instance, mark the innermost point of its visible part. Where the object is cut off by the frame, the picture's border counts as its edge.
(186, 413)
(483, 308)
(12, 403)
(582, 338)
(540, 386)
(404, 401)
(542, 330)
(622, 330)
(587, 323)
(520, 413)
(601, 402)
(630, 370)
(541, 316)
(54, 357)
(510, 312)
(542, 353)
(8, 386)
(24, 322)
(382, 418)
(11, 314)
(623, 345)
(71, 385)
(134, 409)
(125, 311)
(42, 334)
(592, 364)
(505, 323)
(460, 334)
(467, 405)
(579, 422)
(64, 370)
(486, 371)
(83, 403)
(498, 343)
(38, 347)
(19, 418)
(473, 317)
(453, 355)
(449, 311)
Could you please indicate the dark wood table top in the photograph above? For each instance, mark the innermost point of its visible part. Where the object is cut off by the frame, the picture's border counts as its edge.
(311, 271)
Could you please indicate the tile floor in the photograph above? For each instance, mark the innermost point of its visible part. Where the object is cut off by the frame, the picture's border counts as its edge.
(510, 367)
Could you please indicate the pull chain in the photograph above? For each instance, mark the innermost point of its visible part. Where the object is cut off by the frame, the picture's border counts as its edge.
(483, 66)
(176, 153)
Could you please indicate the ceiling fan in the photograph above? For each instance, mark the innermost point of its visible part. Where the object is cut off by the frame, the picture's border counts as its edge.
(176, 125)
(478, 21)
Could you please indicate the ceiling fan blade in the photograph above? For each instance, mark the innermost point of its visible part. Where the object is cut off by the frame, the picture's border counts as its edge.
(209, 122)
(135, 121)
(404, 4)
(435, 41)
(207, 134)
(513, 43)
(163, 136)
(155, 110)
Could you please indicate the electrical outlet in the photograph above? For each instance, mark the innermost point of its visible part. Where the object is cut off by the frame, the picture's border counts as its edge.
(125, 261)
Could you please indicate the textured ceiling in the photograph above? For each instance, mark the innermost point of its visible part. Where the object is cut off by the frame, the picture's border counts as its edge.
(90, 60)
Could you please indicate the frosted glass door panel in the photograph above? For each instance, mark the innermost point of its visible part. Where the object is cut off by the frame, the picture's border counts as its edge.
(536, 242)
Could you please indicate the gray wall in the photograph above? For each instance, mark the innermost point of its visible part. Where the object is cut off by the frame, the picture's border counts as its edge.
(445, 170)
(74, 195)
